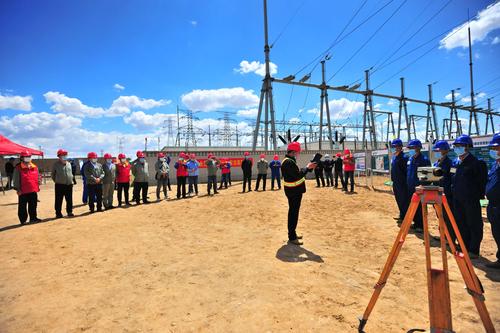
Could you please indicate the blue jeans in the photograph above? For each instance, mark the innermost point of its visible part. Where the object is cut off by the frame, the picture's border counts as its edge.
(193, 184)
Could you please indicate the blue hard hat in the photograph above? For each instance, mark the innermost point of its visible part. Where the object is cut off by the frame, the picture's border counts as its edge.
(396, 143)
(495, 141)
(464, 139)
(415, 143)
(441, 145)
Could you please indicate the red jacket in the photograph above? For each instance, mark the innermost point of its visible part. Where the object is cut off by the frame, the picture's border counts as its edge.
(123, 172)
(181, 169)
(225, 169)
(349, 164)
(28, 178)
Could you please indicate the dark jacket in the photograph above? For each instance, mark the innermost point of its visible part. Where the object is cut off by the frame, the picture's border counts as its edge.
(493, 186)
(328, 165)
(9, 168)
(338, 164)
(445, 182)
(319, 168)
(414, 163)
(468, 180)
(292, 173)
(399, 165)
(246, 166)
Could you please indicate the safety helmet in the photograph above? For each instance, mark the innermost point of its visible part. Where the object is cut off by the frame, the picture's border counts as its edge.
(139, 154)
(276, 157)
(338, 154)
(121, 155)
(441, 145)
(495, 141)
(182, 155)
(210, 155)
(347, 152)
(464, 139)
(192, 156)
(25, 153)
(262, 156)
(92, 155)
(107, 155)
(415, 143)
(327, 156)
(160, 155)
(294, 146)
(61, 152)
(397, 143)
(246, 154)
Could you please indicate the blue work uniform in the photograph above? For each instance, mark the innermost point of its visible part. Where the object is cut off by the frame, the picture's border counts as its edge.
(412, 181)
(398, 177)
(468, 183)
(445, 183)
(493, 210)
(275, 167)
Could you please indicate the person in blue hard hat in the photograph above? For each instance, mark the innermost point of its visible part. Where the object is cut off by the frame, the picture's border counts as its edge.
(493, 195)
(415, 161)
(441, 149)
(399, 163)
(468, 184)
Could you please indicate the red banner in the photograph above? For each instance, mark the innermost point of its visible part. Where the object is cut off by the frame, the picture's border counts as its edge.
(235, 161)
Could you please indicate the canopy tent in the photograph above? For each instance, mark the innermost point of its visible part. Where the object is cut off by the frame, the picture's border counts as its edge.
(8, 147)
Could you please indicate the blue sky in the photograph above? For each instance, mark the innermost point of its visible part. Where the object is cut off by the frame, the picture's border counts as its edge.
(81, 74)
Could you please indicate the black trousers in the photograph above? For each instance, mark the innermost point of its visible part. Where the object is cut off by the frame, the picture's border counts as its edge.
(168, 184)
(29, 201)
(401, 196)
(212, 182)
(123, 187)
(229, 178)
(10, 177)
(63, 192)
(329, 177)
(247, 179)
(264, 178)
(95, 196)
(181, 187)
(470, 223)
(319, 175)
(294, 201)
(339, 174)
(223, 180)
(494, 218)
(141, 187)
(349, 176)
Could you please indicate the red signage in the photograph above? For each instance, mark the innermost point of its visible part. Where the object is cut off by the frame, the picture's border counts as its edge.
(235, 161)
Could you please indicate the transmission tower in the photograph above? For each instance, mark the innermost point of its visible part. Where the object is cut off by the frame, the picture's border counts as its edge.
(170, 131)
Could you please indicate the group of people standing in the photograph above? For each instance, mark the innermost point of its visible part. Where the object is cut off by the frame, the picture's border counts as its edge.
(465, 182)
(339, 167)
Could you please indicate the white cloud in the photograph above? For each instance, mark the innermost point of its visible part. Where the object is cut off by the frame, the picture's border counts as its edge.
(118, 87)
(193, 23)
(481, 95)
(294, 120)
(448, 97)
(18, 103)
(495, 40)
(71, 106)
(487, 21)
(124, 104)
(37, 125)
(377, 106)
(120, 106)
(250, 113)
(214, 99)
(467, 99)
(344, 108)
(391, 102)
(256, 67)
(143, 121)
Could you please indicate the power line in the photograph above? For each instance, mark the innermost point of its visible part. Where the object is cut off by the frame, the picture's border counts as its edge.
(489, 82)
(369, 39)
(288, 23)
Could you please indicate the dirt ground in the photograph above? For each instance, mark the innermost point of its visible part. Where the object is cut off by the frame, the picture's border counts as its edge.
(221, 264)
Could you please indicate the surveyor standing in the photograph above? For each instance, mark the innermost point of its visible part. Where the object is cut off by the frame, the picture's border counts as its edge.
(212, 165)
(328, 164)
(468, 185)
(246, 167)
(123, 178)
(162, 170)
(275, 167)
(26, 184)
(399, 164)
(339, 164)
(108, 182)
(193, 172)
(94, 175)
(262, 166)
(62, 175)
(140, 170)
(493, 195)
(318, 174)
(416, 160)
(295, 186)
(349, 167)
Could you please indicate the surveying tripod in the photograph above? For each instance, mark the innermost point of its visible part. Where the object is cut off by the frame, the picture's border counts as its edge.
(437, 279)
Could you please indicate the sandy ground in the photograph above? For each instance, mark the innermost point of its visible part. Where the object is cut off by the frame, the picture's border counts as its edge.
(221, 264)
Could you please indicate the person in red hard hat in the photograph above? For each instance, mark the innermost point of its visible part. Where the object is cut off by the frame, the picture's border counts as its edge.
(337, 168)
(26, 184)
(162, 173)
(295, 187)
(123, 178)
(262, 166)
(108, 182)
(349, 167)
(246, 167)
(182, 175)
(140, 170)
(62, 175)
(275, 167)
(94, 174)
(212, 164)
(224, 179)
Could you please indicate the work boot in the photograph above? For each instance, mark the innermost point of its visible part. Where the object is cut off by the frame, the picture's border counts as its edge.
(71, 215)
(494, 265)
(295, 242)
(35, 220)
(59, 216)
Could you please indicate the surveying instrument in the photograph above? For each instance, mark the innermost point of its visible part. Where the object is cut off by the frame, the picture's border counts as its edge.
(437, 278)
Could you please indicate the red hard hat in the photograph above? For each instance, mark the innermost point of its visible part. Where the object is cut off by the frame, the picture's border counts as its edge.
(262, 156)
(121, 155)
(139, 154)
(92, 155)
(210, 155)
(338, 154)
(62, 152)
(161, 155)
(182, 155)
(25, 153)
(276, 157)
(192, 155)
(107, 155)
(347, 152)
(246, 154)
(294, 146)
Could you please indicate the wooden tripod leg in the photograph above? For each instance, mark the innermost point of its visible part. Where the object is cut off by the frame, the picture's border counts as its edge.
(391, 260)
(464, 263)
